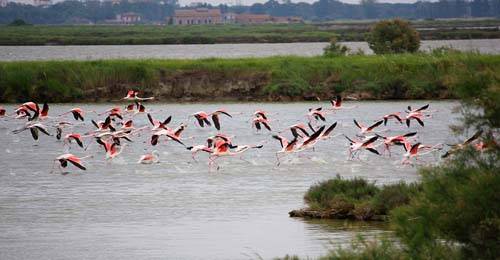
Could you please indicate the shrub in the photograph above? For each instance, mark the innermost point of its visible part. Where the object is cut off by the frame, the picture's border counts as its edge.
(393, 36)
(334, 49)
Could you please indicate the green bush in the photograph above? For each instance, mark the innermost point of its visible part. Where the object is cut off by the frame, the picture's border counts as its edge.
(393, 36)
(334, 49)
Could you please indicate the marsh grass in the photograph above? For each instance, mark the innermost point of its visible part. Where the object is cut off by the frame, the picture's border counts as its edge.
(405, 76)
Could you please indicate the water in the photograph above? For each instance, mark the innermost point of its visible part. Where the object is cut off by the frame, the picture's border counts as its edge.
(177, 209)
(11, 53)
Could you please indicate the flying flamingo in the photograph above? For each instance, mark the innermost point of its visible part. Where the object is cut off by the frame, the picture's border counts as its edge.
(156, 136)
(261, 120)
(356, 146)
(416, 114)
(298, 130)
(456, 147)
(216, 119)
(396, 116)
(77, 113)
(222, 149)
(316, 114)
(202, 118)
(286, 147)
(393, 140)
(311, 140)
(2, 111)
(198, 148)
(34, 128)
(150, 158)
(326, 134)
(74, 137)
(65, 158)
(365, 129)
(157, 125)
(110, 148)
(133, 95)
(413, 151)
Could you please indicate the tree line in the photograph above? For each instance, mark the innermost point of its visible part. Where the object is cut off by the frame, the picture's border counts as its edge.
(322, 10)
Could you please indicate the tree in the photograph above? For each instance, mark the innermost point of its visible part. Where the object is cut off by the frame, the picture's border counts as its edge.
(393, 36)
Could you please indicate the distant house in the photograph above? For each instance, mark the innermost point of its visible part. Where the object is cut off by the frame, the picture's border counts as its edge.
(197, 16)
(128, 18)
(287, 19)
(42, 2)
(253, 18)
(229, 17)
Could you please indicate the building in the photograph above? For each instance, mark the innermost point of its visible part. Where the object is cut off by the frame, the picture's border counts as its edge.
(42, 2)
(197, 16)
(287, 19)
(229, 17)
(253, 18)
(128, 18)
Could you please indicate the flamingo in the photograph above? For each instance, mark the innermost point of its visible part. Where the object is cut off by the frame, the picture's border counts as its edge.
(2, 111)
(150, 158)
(198, 148)
(75, 137)
(110, 148)
(216, 119)
(202, 118)
(286, 147)
(456, 147)
(311, 140)
(65, 158)
(326, 134)
(222, 148)
(413, 151)
(364, 129)
(133, 95)
(157, 125)
(260, 113)
(261, 120)
(298, 130)
(356, 146)
(316, 114)
(392, 140)
(396, 116)
(156, 136)
(416, 114)
(337, 103)
(34, 128)
(77, 112)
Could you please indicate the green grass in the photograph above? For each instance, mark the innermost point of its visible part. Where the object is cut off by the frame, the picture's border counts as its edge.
(415, 76)
(196, 34)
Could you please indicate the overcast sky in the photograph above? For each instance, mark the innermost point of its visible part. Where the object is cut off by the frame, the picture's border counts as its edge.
(250, 2)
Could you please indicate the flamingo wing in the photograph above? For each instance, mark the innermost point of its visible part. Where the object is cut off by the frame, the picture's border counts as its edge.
(215, 119)
(375, 125)
(76, 162)
(474, 137)
(357, 124)
(330, 129)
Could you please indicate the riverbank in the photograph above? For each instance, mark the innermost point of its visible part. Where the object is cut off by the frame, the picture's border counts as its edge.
(211, 34)
(408, 76)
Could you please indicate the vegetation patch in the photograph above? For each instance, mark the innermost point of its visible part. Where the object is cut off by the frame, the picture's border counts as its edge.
(395, 76)
(354, 199)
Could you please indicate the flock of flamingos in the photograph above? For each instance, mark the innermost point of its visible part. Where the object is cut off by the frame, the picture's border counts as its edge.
(118, 129)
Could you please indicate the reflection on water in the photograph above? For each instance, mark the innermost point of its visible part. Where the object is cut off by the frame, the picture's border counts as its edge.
(177, 209)
(196, 51)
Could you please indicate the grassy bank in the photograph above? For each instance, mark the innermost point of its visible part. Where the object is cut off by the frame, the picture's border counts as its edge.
(267, 33)
(409, 76)
(354, 199)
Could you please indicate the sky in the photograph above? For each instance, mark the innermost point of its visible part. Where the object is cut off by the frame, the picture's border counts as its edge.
(250, 2)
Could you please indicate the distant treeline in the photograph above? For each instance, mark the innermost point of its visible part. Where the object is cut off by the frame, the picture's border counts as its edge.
(322, 10)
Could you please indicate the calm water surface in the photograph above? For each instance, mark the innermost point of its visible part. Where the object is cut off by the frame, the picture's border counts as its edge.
(11, 53)
(177, 209)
